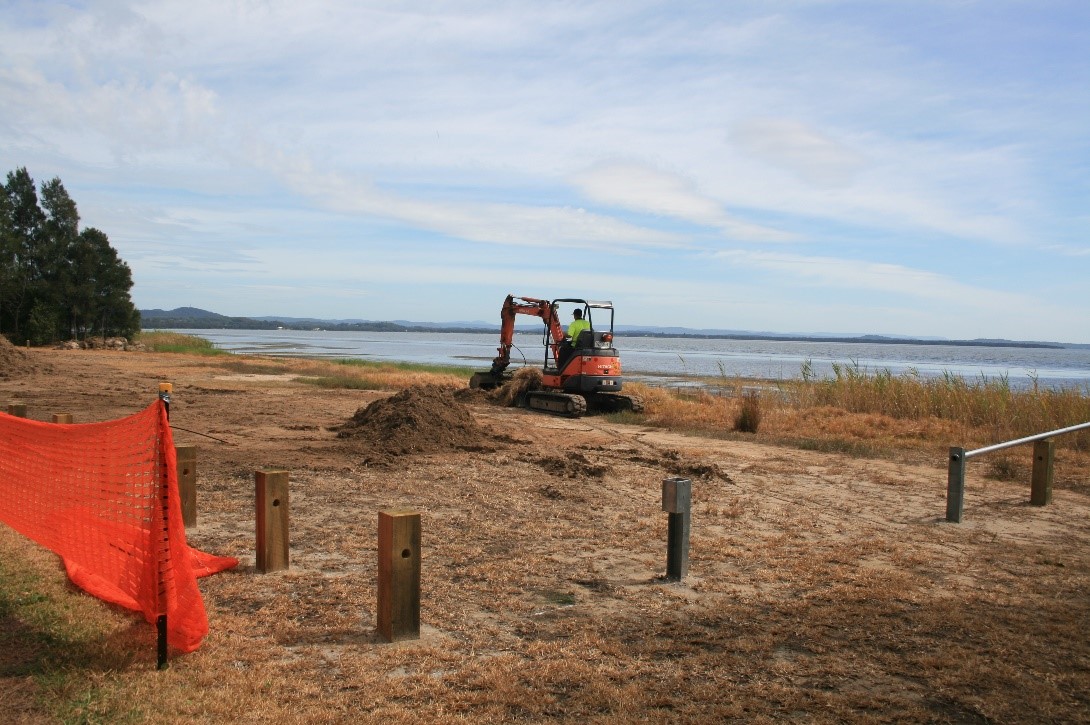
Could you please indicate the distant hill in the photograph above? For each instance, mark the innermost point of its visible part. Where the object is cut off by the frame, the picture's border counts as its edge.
(194, 318)
(179, 312)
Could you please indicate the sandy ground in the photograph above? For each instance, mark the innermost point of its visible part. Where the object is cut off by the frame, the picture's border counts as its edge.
(821, 587)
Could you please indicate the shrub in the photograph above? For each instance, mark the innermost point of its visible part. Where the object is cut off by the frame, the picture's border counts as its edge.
(748, 419)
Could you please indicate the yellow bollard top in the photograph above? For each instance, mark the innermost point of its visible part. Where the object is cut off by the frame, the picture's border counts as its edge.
(166, 388)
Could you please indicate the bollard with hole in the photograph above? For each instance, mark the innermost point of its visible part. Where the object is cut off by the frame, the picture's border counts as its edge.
(17, 409)
(62, 417)
(398, 615)
(955, 486)
(677, 496)
(272, 520)
(1044, 454)
(187, 483)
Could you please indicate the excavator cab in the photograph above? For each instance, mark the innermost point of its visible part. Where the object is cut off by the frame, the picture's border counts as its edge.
(597, 339)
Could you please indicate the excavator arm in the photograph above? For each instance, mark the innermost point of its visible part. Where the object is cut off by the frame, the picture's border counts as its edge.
(514, 306)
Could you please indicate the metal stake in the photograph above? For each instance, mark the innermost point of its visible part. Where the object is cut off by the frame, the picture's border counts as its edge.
(677, 502)
(955, 486)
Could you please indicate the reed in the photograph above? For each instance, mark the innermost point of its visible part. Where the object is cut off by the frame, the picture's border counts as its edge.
(178, 342)
(988, 408)
(875, 413)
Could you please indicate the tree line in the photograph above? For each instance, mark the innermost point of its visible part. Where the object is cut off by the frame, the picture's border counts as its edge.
(57, 282)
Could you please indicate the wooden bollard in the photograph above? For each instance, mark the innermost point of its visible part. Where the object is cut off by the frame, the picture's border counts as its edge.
(272, 520)
(62, 417)
(187, 483)
(399, 575)
(955, 486)
(1044, 453)
(677, 496)
(17, 409)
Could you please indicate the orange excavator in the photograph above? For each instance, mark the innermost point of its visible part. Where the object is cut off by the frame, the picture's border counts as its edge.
(578, 375)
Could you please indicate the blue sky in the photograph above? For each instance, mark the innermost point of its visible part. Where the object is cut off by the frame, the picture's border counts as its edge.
(909, 167)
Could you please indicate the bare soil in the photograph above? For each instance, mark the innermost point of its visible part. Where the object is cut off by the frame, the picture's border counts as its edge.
(821, 588)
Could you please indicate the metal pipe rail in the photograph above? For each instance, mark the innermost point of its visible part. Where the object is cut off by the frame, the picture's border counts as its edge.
(1041, 483)
(1027, 439)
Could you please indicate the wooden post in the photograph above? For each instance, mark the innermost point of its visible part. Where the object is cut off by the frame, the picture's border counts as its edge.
(1044, 453)
(677, 499)
(187, 483)
(272, 520)
(955, 486)
(17, 409)
(62, 417)
(399, 575)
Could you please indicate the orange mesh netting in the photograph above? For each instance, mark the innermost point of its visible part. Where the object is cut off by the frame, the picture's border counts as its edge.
(104, 496)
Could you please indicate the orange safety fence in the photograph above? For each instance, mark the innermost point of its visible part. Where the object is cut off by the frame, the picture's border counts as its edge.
(104, 496)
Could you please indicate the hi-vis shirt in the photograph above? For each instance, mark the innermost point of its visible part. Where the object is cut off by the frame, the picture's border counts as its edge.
(576, 327)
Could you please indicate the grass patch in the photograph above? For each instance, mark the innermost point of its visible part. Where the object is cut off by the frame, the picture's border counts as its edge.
(343, 381)
(626, 417)
(454, 370)
(559, 599)
(62, 646)
(1004, 468)
(262, 366)
(178, 343)
(857, 449)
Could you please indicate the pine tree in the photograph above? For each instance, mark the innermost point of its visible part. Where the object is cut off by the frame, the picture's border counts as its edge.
(57, 282)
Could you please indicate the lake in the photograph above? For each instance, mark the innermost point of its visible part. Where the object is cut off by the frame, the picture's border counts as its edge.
(675, 360)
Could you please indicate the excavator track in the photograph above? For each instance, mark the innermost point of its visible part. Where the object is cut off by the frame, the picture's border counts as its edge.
(574, 406)
(616, 403)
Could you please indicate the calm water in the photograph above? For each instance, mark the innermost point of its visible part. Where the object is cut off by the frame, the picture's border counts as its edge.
(671, 360)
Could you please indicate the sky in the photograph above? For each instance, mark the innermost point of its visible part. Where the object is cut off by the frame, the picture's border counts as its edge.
(901, 167)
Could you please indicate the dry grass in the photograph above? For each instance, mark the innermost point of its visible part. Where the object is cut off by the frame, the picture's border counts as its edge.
(987, 408)
(822, 587)
(879, 415)
(523, 381)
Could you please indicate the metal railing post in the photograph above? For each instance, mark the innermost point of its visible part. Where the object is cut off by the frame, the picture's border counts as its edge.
(677, 497)
(1041, 484)
(955, 486)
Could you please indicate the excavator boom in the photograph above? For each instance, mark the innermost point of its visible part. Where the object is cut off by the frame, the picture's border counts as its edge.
(513, 306)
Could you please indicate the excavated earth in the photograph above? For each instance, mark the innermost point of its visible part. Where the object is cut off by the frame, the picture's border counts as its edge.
(13, 361)
(821, 588)
(421, 419)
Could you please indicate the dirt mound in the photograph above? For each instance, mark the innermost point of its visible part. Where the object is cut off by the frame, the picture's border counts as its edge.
(420, 419)
(13, 361)
(571, 465)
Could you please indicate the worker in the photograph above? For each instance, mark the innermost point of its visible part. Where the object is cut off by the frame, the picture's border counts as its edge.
(577, 325)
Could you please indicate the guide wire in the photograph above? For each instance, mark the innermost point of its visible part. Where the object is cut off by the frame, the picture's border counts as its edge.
(198, 433)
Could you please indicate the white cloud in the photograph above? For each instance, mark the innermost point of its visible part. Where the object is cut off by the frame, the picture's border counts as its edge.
(645, 190)
(875, 277)
(789, 144)
(510, 224)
